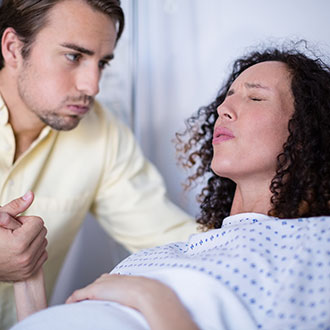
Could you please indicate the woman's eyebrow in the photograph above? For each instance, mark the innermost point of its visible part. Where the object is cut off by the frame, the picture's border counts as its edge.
(248, 85)
(255, 85)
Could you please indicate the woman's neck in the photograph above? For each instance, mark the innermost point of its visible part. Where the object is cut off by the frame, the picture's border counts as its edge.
(251, 198)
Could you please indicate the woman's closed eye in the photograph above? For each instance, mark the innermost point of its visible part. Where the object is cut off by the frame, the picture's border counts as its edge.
(256, 98)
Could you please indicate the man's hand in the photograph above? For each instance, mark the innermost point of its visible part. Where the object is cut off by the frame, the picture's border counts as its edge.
(12, 209)
(22, 241)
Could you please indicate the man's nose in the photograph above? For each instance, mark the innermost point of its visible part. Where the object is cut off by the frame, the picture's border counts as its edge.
(88, 80)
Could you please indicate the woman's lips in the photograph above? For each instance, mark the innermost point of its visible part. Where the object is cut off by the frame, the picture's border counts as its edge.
(221, 134)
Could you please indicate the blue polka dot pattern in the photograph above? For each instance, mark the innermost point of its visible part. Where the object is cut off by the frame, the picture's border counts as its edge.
(279, 269)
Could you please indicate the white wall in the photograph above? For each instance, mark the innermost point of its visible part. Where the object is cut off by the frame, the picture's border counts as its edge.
(185, 47)
(172, 59)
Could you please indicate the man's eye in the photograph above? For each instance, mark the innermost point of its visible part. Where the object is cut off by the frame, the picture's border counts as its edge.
(73, 57)
(103, 64)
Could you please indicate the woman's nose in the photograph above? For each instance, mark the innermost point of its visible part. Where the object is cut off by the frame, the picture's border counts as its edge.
(226, 111)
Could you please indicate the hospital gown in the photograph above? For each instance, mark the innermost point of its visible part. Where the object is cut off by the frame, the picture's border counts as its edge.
(256, 272)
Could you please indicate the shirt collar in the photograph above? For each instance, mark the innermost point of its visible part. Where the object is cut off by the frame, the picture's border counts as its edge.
(244, 218)
(4, 116)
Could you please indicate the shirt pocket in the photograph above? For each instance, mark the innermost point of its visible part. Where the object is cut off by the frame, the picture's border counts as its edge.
(62, 216)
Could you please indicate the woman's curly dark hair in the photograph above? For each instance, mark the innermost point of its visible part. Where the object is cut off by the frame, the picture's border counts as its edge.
(301, 185)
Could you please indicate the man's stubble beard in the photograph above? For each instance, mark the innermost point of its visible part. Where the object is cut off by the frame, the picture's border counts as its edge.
(50, 117)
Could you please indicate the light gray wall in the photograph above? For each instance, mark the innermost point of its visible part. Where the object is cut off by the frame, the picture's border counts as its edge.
(172, 59)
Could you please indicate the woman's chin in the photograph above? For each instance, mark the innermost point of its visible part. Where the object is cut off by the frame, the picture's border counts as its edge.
(225, 169)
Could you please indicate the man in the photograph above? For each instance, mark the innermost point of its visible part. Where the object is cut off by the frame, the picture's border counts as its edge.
(58, 143)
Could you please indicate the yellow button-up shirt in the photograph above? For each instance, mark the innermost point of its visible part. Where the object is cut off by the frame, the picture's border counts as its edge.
(96, 167)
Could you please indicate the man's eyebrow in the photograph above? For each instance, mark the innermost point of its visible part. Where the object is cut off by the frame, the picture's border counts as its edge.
(108, 57)
(85, 51)
(252, 85)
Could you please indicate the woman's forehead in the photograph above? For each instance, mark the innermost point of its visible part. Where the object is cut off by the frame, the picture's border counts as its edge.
(267, 74)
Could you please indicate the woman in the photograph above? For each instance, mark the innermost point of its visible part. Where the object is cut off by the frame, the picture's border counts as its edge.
(265, 260)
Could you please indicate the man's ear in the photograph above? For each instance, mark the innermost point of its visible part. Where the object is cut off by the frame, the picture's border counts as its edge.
(11, 47)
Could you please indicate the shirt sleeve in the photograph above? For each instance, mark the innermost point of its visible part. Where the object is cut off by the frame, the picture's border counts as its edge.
(131, 202)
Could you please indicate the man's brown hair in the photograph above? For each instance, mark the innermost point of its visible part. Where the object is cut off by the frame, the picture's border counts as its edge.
(28, 17)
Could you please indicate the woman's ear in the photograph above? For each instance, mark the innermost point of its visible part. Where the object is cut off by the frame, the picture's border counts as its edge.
(11, 47)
